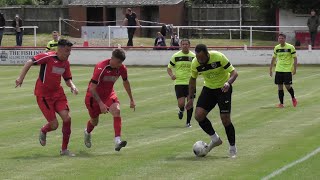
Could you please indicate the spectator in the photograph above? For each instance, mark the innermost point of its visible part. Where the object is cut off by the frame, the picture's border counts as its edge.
(17, 24)
(2, 24)
(174, 43)
(313, 23)
(131, 20)
(159, 42)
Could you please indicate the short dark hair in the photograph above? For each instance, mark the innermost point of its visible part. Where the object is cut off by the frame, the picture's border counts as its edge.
(185, 39)
(201, 48)
(129, 9)
(64, 42)
(119, 54)
(283, 35)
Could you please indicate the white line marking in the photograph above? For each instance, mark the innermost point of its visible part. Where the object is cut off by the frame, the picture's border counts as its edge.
(284, 168)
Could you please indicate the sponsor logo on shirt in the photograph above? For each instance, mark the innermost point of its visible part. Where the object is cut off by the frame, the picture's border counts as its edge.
(58, 70)
(110, 78)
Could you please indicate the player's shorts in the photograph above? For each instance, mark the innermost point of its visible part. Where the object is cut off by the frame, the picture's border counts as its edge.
(50, 105)
(182, 91)
(283, 78)
(210, 97)
(94, 108)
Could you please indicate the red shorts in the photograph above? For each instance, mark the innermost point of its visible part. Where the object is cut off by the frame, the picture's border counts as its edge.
(50, 105)
(93, 106)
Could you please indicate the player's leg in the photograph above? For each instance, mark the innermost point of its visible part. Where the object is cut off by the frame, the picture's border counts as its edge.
(189, 111)
(224, 104)
(206, 102)
(181, 99)
(288, 84)
(279, 81)
(62, 108)
(94, 111)
(47, 108)
(114, 108)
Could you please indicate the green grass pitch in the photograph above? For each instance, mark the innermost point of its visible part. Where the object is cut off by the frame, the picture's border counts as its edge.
(159, 145)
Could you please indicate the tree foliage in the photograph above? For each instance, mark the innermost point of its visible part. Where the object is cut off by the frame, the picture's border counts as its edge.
(297, 6)
(29, 2)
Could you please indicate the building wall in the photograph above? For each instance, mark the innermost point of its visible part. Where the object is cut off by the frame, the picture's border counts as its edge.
(288, 18)
(173, 14)
(78, 13)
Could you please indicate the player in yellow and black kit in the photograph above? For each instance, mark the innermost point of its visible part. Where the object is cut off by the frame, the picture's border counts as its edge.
(218, 74)
(181, 63)
(53, 44)
(286, 66)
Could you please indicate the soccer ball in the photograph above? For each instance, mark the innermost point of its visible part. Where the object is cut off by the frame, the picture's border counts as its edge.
(200, 148)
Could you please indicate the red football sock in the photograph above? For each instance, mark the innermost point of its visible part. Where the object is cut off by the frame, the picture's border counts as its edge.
(66, 131)
(46, 128)
(117, 126)
(90, 127)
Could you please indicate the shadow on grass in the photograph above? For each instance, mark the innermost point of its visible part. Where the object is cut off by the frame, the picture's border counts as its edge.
(194, 158)
(36, 156)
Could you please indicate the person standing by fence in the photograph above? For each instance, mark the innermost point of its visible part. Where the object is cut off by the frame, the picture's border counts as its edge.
(313, 24)
(131, 20)
(2, 24)
(17, 24)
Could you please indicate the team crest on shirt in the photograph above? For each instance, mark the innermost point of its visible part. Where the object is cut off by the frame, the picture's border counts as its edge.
(214, 65)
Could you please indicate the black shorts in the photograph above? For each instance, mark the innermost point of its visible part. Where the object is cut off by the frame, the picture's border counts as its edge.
(283, 78)
(210, 97)
(182, 91)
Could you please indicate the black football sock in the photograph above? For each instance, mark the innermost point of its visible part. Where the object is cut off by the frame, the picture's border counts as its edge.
(207, 126)
(291, 91)
(189, 115)
(281, 95)
(231, 134)
(181, 109)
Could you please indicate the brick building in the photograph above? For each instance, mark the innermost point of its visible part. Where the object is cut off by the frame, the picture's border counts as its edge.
(164, 11)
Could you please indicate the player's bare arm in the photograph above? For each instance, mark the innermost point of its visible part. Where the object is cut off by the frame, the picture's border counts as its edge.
(271, 65)
(295, 63)
(23, 73)
(233, 77)
(127, 87)
(172, 76)
(73, 87)
(192, 90)
(96, 96)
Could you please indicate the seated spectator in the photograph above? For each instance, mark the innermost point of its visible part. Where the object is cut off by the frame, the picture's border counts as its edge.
(159, 42)
(174, 43)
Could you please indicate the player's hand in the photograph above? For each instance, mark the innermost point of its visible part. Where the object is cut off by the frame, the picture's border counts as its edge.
(270, 73)
(19, 82)
(226, 87)
(74, 90)
(173, 77)
(133, 105)
(189, 104)
(103, 108)
(294, 72)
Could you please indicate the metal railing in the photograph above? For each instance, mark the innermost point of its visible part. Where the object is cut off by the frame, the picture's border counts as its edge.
(27, 27)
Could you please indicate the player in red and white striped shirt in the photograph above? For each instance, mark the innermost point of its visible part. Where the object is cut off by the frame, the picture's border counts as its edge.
(49, 92)
(101, 97)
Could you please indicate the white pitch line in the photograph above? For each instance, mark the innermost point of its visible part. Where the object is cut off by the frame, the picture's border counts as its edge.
(284, 168)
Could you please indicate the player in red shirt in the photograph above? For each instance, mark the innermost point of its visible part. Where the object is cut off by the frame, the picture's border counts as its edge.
(101, 97)
(49, 92)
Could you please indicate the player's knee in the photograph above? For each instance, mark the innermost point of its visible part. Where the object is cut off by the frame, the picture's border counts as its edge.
(199, 116)
(116, 112)
(94, 121)
(54, 124)
(225, 118)
(67, 118)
